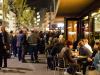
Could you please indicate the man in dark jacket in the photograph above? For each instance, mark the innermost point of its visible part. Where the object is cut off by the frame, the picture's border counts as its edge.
(32, 41)
(85, 53)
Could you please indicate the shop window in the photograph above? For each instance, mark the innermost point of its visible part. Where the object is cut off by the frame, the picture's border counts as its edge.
(86, 29)
(72, 30)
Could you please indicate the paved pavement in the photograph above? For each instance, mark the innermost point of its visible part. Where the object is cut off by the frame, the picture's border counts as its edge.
(18, 68)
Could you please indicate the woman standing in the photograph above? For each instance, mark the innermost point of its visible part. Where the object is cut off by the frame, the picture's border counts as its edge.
(97, 61)
(4, 46)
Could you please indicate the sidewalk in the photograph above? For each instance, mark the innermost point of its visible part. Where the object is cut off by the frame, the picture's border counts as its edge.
(18, 68)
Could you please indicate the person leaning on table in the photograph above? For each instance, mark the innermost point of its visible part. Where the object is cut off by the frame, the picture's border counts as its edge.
(84, 52)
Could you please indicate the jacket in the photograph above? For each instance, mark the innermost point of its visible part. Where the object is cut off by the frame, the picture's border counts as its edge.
(96, 61)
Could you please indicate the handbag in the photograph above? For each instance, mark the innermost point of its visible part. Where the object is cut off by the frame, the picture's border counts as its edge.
(8, 54)
(70, 69)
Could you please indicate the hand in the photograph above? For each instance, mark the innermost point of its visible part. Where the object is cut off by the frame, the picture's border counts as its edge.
(89, 59)
(5, 47)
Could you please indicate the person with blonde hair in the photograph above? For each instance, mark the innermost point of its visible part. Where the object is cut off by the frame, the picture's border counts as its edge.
(86, 44)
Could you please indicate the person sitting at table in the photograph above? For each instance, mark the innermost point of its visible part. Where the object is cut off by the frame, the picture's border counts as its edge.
(95, 49)
(90, 60)
(86, 44)
(66, 53)
(85, 53)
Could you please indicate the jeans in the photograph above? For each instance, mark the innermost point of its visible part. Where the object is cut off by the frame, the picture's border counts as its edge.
(33, 51)
(19, 53)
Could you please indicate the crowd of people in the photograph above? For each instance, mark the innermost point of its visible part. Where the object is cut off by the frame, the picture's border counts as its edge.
(20, 43)
(79, 55)
(79, 58)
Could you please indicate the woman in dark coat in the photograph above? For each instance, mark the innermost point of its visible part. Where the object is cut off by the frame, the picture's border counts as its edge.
(1, 50)
(4, 47)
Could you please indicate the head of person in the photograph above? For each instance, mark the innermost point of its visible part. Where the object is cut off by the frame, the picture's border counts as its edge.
(96, 45)
(3, 28)
(85, 40)
(81, 43)
(61, 41)
(11, 32)
(55, 41)
(69, 44)
(20, 32)
(99, 47)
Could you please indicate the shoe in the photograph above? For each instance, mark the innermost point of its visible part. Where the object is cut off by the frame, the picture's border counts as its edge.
(36, 61)
(32, 61)
(4, 67)
(24, 61)
(78, 73)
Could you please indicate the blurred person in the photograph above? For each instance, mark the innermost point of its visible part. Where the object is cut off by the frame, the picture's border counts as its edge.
(69, 61)
(83, 50)
(90, 59)
(69, 50)
(24, 45)
(97, 60)
(75, 44)
(86, 44)
(13, 41)
(4, 47)
(41, 43)
(19, 44)
(95, 49)
(32, 41)
(85, 53)
(10, 38)
(57, 45)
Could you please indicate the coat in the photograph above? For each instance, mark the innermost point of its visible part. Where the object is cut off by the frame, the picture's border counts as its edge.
(96, 61)
(4, 41)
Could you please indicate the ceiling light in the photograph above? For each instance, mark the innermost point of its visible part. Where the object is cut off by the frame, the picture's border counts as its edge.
(85, 18)
(1, 1)
(93, 14)
(37, 13)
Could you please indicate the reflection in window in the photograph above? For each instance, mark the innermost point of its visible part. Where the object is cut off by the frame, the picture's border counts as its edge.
(72, 30)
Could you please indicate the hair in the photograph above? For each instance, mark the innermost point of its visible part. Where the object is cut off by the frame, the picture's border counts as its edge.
(61, 40)
(80, 43)
(68, 43)
(99, 46)
(11, 31)
(97, 43)
(20, 31)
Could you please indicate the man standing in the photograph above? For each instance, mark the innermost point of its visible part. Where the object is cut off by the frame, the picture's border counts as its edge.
(32, 41)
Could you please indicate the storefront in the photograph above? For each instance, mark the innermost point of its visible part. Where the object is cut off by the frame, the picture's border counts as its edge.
(96, 19)
(91, 26)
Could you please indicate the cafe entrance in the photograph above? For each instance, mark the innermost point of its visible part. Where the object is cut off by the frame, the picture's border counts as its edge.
(71, 29)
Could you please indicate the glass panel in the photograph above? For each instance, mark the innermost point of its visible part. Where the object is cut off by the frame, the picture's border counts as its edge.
(86, 29)
(97, 23)
(72, 30)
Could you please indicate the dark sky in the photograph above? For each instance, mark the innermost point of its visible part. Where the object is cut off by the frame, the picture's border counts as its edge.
(39, 4)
